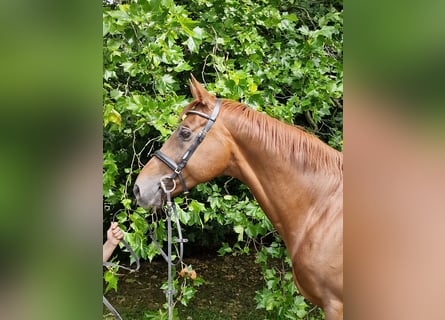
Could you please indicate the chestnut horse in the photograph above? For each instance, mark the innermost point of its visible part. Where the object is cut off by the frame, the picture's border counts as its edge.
(295, 177)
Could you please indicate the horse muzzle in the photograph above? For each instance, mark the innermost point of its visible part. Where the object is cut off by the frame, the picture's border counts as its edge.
(148, 195)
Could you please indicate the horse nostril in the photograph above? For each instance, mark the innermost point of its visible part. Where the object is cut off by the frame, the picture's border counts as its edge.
(136, 191)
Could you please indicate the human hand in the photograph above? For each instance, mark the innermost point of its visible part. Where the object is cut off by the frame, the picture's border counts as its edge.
(114, 234)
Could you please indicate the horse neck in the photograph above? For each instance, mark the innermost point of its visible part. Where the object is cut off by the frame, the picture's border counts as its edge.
(278, 179)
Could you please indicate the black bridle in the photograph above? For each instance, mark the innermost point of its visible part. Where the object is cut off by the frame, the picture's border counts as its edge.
(177, 168)
(177, 172)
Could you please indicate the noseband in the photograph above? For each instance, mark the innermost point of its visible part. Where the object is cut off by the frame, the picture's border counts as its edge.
(177, 168)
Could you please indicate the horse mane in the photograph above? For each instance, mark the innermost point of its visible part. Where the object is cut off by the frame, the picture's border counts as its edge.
(287, 141)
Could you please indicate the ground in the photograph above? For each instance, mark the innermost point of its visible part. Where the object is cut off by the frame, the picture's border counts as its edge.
(228, 293)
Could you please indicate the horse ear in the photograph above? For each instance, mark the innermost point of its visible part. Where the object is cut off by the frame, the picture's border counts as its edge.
(200, 94)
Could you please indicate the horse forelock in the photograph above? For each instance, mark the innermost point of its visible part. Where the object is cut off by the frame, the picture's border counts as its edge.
(284, 140)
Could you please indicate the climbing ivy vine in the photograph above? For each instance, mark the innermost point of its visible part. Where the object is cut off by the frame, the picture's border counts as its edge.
(281, 58)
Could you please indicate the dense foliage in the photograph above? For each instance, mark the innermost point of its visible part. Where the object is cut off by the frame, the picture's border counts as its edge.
(282, 58)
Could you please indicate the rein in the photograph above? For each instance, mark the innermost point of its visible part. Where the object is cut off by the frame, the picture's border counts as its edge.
(110, 264)
(177, 172)
(171, 209)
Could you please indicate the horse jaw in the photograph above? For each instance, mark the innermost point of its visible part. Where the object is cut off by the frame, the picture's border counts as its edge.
(148, 192)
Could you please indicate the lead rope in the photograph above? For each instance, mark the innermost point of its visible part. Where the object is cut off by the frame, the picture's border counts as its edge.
(171, 211)
(110, 264)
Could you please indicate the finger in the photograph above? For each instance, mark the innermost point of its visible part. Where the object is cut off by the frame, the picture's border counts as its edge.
(118, 234)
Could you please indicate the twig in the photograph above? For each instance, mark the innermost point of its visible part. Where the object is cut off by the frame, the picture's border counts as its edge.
(136, 155)
(310, 120)
(338, 104)
(226, 183)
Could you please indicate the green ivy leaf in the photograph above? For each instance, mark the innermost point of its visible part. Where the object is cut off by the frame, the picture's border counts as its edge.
(240, 230)
(116, 94)
(111, 280)
(280, 59)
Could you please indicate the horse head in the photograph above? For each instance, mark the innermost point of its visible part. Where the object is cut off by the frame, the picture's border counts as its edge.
(196, 152)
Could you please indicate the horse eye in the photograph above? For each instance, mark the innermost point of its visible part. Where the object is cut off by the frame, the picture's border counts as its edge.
(185, 133)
